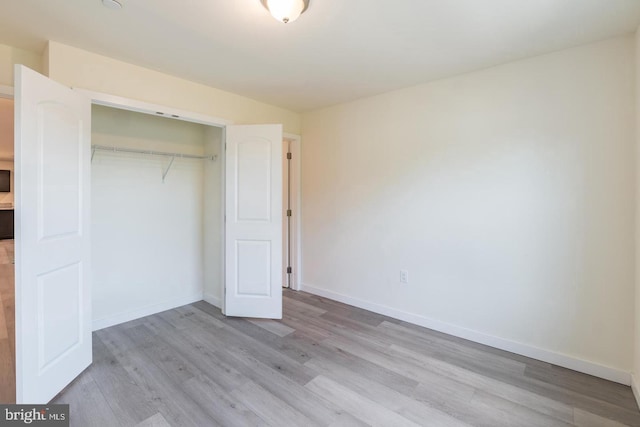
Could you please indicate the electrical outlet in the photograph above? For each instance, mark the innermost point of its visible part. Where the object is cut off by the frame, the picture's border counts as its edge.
(404, 276)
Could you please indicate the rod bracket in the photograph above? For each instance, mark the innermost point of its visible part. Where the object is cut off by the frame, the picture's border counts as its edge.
(164, 175)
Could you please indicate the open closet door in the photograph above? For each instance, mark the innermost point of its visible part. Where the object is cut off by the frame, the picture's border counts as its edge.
(53, 293)
(253, 248)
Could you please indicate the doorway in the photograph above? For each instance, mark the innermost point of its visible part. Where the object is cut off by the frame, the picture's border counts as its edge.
(7, 254)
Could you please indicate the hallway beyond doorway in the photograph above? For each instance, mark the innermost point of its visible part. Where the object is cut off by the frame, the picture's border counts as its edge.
(7, 323)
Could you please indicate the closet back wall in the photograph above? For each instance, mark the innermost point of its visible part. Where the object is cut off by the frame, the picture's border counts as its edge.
(147, 236)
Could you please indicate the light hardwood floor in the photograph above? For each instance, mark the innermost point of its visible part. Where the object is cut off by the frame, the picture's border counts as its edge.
(324, 364)
(7, 324)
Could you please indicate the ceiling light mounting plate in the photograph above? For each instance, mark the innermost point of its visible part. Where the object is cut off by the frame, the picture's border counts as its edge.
(285, 18)
(112, 4)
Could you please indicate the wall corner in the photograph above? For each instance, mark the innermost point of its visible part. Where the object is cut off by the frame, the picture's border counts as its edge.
(635, 389)
(45, 59)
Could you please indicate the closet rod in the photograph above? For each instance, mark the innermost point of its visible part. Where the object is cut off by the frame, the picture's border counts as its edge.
(150, 152)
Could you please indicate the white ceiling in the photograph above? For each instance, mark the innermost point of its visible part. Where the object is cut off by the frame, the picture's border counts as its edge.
(339, 50)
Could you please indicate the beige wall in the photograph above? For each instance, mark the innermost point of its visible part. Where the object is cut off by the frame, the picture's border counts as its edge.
(507, 194)
(9, 56)
(86, 70)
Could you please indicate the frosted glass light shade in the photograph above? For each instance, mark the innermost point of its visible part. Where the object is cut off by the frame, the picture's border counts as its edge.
(286, 10)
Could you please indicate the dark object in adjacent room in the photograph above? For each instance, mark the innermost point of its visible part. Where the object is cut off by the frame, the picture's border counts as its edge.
(5, 181)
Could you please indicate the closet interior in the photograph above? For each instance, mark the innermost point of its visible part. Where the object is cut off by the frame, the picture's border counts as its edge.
(156, 214)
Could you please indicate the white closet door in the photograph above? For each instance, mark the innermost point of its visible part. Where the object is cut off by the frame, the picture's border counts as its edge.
(53, 293)
(253, 245)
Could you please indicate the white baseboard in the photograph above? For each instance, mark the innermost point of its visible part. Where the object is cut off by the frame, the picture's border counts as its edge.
(127, 316)
(213, 300)
(635, 389)
(570, 362)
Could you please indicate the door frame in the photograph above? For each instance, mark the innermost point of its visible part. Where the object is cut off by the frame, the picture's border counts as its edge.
(128, 104)
(122, 103)
(296, 217)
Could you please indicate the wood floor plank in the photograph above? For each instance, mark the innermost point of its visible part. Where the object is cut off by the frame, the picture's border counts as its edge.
(276, 343)
(82, 394)
(430, 333)
(503, 412)
(562, 394)
(404, 405)
(172, 364)
(294, 305)
(198, 316)
(587, 419)
(270, 408)
(7, 324)
(450, 351)
(272, 326)
(348, 420)
(329, 305)
(545, 398)
(350, 329)
(261, 370)
(8, 301)
(177, 407)
(239, 331)
(440, 388)
(4, 256)
(418, 372)
(175, 319)
(7, 373)
(317, 409)
(156, 420)
(446, 388)
(585, 384)
(299, 322)
(225, 409)
(4, 333)
(362, 366)
(275, 360)
(355, 404)
(327, 364)
(200, 350)
(122, 393)
(425, 364)
(443, 388)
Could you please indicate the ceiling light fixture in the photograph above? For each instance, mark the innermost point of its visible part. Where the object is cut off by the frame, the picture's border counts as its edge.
(286, 10)
(112, 4)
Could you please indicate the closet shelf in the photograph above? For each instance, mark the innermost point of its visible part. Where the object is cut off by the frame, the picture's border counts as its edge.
(151, 153)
